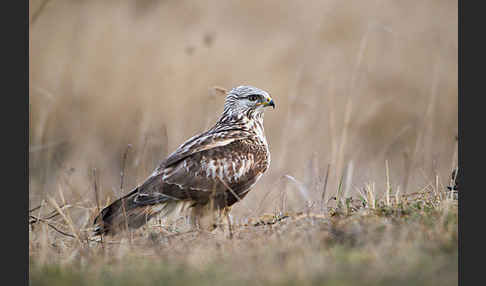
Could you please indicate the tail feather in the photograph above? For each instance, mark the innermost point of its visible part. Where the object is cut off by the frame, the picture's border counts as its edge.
(126, 212)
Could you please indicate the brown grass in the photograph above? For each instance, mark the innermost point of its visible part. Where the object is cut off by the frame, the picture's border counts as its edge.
(366, 96)
(410, 241)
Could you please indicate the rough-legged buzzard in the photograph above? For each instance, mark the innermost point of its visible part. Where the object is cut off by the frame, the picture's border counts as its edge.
(209, 172)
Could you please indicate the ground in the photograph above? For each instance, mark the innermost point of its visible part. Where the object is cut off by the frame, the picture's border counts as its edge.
(411, 240)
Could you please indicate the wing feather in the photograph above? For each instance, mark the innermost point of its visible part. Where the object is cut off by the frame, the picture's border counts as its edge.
(202, 162)
(205, 169)
(204, 141)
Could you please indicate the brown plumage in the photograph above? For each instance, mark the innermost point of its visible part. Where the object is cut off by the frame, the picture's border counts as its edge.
(209, 172)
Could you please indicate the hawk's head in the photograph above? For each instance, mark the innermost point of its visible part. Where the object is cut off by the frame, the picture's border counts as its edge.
(247, 101)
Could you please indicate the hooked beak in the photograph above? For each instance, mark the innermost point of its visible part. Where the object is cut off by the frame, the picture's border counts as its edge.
(269, 102)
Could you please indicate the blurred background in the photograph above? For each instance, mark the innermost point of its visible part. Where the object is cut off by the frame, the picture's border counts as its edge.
(356, 84)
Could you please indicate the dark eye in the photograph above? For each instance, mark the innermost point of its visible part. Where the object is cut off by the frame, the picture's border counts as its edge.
(252, 97)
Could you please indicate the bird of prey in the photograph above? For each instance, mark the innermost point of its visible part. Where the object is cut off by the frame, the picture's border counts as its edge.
(208, 173)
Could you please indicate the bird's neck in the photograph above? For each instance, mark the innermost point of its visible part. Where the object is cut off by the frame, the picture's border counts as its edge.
(251, 124)
(235, 114)
(247, 120)
(258, 129)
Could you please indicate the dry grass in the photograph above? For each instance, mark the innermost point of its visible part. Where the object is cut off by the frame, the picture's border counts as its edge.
(409, 241)
(366, 95)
